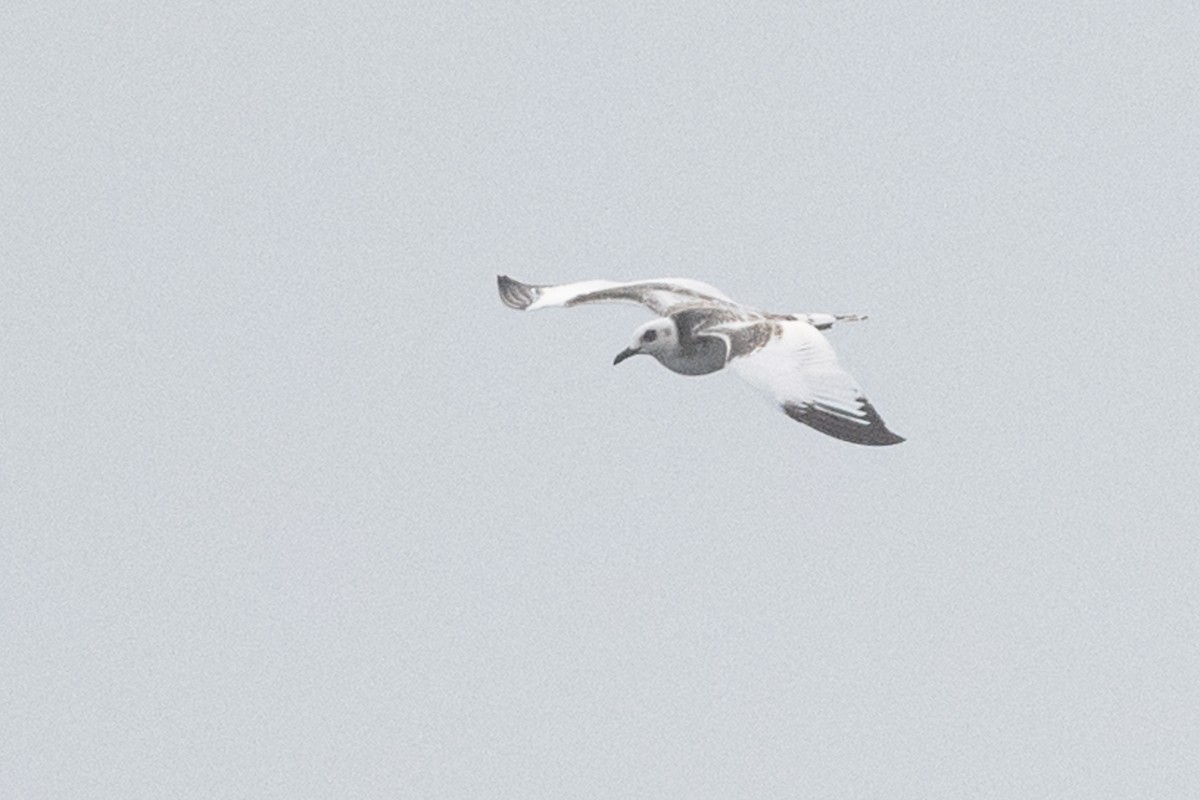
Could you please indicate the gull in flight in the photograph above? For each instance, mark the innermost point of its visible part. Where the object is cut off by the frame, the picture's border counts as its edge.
(699, 330)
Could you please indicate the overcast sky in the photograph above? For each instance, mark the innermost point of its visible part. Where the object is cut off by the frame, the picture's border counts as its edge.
(292, 506)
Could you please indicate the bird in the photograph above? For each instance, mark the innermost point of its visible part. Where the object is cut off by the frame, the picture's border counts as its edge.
(699, 330)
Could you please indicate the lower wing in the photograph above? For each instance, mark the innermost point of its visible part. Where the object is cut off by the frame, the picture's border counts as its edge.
(797, 367)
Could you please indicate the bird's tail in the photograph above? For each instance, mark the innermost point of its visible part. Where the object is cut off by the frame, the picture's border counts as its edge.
(823, 322)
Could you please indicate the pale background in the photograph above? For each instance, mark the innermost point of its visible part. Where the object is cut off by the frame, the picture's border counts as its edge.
(292, 506)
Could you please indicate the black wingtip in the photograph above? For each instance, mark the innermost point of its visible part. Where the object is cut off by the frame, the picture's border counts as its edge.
(514, 293)
(867, 429)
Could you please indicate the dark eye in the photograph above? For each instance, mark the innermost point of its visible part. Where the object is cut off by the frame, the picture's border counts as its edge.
(649, 336)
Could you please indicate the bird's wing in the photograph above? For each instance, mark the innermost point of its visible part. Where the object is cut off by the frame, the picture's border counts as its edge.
(796, 365)
(661, 295)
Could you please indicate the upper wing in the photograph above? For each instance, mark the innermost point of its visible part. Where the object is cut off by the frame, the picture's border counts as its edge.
(660, 295)
(798, 368)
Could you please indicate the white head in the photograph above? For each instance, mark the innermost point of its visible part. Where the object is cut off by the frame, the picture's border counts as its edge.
(655, 337)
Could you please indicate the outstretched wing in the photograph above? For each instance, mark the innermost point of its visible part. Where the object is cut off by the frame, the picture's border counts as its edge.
(798, 368)
(661, 295)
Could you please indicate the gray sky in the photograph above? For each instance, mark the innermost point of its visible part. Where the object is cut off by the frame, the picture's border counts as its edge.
(292, 506)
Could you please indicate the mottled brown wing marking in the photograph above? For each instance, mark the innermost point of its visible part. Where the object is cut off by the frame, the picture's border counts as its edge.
(642, 293)
(750, 338)
(634, 293)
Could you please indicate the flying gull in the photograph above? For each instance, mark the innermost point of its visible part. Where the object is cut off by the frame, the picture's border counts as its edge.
(699, 330)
